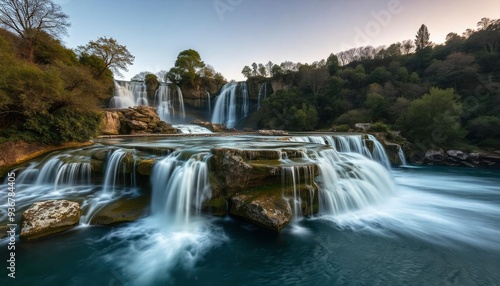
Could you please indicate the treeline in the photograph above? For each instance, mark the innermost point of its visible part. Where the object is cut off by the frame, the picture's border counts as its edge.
(444, 95)
(50, 94)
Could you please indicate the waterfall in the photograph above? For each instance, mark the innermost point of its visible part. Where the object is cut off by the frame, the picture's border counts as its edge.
(262, 94)
(350, 181)
(128, 94)
(115, 170)
(209, 103)
(402, 157)
(360, 144)
(232, 104)
(191, 129)
(170, 103)
(180, 187)
(295, 180)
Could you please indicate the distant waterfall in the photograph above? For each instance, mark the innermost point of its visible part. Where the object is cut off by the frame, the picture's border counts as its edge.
(180, 186)
(128, 94)
(351, 144)
(209, 103)
(232, 104)
(170, 103)
(262, 94)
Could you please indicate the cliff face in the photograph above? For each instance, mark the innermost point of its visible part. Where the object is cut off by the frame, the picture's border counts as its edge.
(137, 120)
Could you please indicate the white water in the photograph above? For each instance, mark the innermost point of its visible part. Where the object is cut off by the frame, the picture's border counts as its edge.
(262, 94)
(170, 103)
(231, 105)
(128, 94)
(349, 144)
(175, 235)
(191, 129)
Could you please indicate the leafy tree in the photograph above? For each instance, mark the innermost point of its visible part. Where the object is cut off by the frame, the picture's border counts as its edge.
(262, 70)
(247, 71)
(483, 128)
(186, 67)
(116, 57)
(332, 63)
(434, 119)
(26, 16)
(422, 39)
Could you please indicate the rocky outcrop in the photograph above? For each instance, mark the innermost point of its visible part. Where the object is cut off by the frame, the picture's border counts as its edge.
(263, 209)
(460, 158)
(49, 217)
(14, 153)
(136, 120)
(110, 124)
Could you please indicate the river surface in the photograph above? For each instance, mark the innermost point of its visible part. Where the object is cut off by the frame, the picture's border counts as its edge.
(441, 226)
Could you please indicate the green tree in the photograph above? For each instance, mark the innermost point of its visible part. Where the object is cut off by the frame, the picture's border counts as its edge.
(247, 72)
(332, 64)
(422, 39)
(186, 67)
(116, 57)
(434, 119)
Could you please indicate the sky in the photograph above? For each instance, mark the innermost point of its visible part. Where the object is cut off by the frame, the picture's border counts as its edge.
(230, 34)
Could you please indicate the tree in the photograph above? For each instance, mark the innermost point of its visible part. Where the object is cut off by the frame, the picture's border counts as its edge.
(434, 119)
(25, 16)
(115, 56)
(247, 72)
(332, 64)
(262, 70)
(422, 39)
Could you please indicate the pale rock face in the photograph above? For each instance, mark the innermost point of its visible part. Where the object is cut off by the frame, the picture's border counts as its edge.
(110, 124)
(49, 217)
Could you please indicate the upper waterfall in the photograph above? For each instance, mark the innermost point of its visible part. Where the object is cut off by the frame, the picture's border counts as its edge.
(232, 104)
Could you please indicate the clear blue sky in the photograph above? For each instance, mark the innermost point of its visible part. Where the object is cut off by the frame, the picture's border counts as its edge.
(230, 34)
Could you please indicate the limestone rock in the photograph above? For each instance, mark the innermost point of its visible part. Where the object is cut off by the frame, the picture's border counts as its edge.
(137, 125)
(272, 132)
(262, 209)
(49, 217)
(110, 124)
(434, 155)
(457, 154)
(211, 126)
(145, 167)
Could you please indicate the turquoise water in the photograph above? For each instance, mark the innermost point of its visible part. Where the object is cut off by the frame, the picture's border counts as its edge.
(441, 227)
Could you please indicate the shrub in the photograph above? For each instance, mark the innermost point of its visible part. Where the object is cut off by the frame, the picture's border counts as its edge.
(379, 127)
(341, 128)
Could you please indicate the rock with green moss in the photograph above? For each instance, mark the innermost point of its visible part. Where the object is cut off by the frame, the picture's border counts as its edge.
(123, 210)
(145, 167)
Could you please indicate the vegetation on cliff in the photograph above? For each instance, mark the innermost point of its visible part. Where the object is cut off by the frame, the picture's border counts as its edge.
(443, 95)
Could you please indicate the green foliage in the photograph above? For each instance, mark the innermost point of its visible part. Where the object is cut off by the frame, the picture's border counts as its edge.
(483, 128)
(434, 119)
(341, 128)
(186, 67)
(422, 38)
(354, 116)
(379, 127)
(332, 64)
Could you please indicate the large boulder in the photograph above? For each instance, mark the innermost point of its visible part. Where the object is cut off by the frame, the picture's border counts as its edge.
(49, 217)
(264, 209)
(211, 126)
(110, 124)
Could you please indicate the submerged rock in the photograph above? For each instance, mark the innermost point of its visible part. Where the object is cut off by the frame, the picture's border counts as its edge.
(124, 210)
(49, 217)
(263, 209)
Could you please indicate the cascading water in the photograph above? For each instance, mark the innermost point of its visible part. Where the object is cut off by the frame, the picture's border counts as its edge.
(295, 180)
(209, 104)
(262, 94)
(232, 104)
(128, 94)
(350, 181)
(351, 144)
(402, 157)
(170, 103)
(191, 129)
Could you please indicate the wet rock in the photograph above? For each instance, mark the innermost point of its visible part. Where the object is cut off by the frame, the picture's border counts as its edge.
(124, 210)
(434, 156)
(145, 167)
(457, 154)
(3, 231)
(262, 209)
(49, 217)
(164, 128)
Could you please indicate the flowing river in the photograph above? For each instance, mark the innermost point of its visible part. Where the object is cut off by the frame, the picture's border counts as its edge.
(428, 226)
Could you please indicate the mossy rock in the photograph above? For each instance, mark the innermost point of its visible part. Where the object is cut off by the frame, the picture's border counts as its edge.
(97, 166)
(123, 210)
(100, 155)
(218, 206)
(145, 167)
